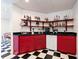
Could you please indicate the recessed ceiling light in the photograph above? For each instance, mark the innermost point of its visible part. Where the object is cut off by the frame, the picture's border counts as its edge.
(26, 0)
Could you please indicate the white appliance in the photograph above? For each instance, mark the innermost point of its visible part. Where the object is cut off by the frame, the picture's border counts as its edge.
(51, 42)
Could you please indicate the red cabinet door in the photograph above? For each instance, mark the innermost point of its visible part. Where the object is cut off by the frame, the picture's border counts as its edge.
(43, 41)
(37, 44)
(40, 42)
(23, 44)
(62, 44)
(15, 44)
(31, 43)
(72, 44)
(66, 44)
(26, 44)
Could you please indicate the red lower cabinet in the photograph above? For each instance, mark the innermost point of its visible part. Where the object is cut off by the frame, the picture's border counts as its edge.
(31, 43)
(66, 44)
(37, 42)
(43, 41)
(72, 45)
(15, 44)
(25, 44)
(22, 46)
(40, 42)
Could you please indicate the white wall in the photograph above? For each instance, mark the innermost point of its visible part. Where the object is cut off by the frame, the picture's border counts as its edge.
(5, 16)
(61, 14)
(75, 15)
(18, 14)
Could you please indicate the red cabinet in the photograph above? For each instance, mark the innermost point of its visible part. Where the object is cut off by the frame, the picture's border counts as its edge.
(28, 43)
(37, 42)
(15, 44)
(66, 44)
(43, 41)
(40, 42)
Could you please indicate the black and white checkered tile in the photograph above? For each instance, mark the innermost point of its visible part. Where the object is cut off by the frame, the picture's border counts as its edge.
(44, 54)
(5, 48)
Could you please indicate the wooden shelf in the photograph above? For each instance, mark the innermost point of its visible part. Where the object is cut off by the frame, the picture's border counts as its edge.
(62, 20)
(64, 26)
(70, 25)
(38, 26)
(49, 22)
(51, 26)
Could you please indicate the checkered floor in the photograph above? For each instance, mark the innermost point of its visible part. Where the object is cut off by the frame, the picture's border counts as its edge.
(5, 48)
(44, 54)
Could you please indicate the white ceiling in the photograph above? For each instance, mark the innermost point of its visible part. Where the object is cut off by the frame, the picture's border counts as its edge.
(45, 6)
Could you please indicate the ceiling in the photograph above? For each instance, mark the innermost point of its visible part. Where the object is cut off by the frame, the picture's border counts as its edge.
(45, 6)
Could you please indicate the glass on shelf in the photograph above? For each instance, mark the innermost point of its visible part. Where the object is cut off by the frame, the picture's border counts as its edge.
(66, 17)
(56, 17)
(59, 24)
(63, 24)
(56, 23)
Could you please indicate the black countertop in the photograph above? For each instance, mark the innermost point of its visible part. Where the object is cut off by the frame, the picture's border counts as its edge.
(50, 33)
(26, 33)
(67, 33)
